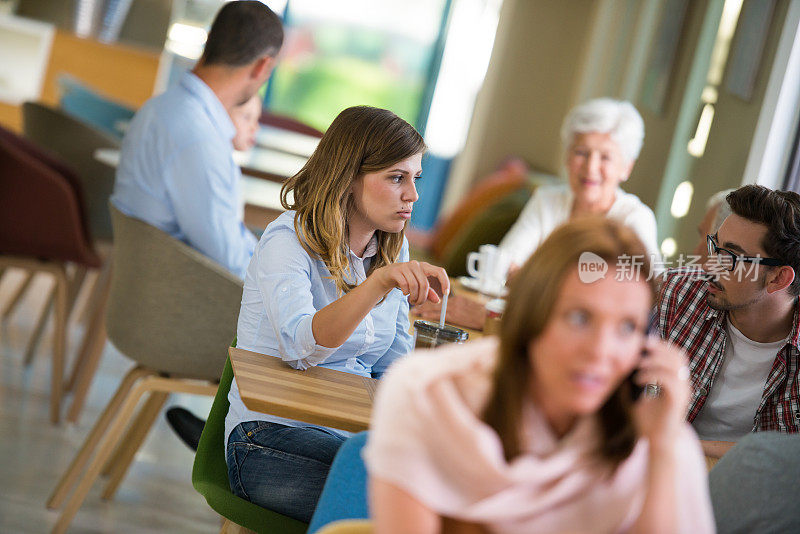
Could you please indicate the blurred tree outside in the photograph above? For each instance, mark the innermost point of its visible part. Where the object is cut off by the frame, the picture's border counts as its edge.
(328, 65)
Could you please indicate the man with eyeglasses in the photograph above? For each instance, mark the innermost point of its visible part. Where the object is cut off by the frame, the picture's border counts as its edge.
(738, 321)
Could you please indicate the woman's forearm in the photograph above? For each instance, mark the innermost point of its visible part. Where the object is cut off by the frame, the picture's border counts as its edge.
(659, 512)
(334, 323)
(394, 511)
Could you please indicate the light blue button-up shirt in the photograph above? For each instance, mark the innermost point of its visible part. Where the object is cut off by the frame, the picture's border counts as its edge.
(176, 172)
(283, 289)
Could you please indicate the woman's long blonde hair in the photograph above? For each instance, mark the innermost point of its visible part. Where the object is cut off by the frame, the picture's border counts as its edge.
(361, 140)
(532, 298)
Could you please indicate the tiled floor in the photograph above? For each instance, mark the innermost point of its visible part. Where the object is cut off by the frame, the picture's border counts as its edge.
(156, 495)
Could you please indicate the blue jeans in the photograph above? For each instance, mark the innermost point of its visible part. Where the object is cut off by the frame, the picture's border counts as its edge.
(281, 468)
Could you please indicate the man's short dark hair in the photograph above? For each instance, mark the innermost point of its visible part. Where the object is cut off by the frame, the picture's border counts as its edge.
(241, 33)
(779, 211)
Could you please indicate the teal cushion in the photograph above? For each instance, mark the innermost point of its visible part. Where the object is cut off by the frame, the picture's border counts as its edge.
(345, 493)
(93, 108)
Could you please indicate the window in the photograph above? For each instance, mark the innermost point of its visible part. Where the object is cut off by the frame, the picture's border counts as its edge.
(792, 181)
(352, 52)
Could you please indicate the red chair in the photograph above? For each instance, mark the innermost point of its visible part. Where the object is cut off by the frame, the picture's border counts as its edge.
(42, 229)
(59, 166)
(75, 142)
(509, 177)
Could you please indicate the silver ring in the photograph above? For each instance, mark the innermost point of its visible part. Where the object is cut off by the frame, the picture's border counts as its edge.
(652, 391)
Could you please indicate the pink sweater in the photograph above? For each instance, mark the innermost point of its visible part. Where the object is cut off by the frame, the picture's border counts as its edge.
(426, 438)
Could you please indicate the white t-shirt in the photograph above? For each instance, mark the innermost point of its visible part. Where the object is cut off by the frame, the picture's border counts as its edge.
(550, 206)
(730, 410)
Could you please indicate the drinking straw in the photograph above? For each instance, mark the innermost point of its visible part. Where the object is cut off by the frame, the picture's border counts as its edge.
(444, 310)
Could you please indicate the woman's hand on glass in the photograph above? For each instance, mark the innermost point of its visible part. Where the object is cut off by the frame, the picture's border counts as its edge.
(418, 280)
(660, 418)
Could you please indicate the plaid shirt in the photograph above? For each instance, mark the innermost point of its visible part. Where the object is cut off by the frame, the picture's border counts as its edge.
(685, 319)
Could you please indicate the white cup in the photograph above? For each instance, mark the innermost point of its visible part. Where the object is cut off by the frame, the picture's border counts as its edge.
(489, 266)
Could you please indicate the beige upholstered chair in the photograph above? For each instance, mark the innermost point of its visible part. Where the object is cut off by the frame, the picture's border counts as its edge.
(173, 312)
(75, 142)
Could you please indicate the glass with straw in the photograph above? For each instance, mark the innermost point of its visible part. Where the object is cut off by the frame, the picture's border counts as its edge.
(429, 335)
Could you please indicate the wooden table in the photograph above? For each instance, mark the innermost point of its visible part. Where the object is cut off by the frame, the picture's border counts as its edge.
(278, 154)
(286, 140)
(262, 201)
(317, 395)
(269, 163)
(261, 162)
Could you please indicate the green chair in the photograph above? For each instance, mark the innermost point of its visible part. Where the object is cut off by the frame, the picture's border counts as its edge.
(488, 227)
(210, 474)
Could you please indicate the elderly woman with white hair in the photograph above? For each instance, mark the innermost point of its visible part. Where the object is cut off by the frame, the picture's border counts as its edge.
(602, 138)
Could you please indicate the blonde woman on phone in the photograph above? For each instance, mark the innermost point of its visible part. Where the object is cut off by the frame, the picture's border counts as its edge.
(542, 430)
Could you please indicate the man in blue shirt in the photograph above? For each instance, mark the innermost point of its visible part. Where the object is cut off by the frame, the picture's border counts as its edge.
(176, 169)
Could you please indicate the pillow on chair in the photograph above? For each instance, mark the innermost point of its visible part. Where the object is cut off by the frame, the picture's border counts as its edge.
(488, 227)
(507, 179)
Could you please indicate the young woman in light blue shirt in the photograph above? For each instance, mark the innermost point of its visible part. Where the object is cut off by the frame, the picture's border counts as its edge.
(329, 284)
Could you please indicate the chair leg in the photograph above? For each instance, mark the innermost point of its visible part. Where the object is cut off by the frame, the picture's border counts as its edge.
(91, 282)
(99, 428)
(75, 283)
(132, 432)
(94, 339)
(119, 420)
(85, 368)
(41, 322)
(229, 527)
(72, 284)
(104, 250)
(17, 296)
(106, 446)
(123, 457)
(100, 286)
(59, 346)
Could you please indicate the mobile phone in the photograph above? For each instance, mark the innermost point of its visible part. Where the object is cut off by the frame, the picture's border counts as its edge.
(635, 389)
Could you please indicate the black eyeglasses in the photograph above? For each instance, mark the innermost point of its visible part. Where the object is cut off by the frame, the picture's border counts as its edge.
(727, 258)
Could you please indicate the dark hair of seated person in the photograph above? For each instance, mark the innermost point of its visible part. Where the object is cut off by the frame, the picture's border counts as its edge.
(779, 211)
(241, 33)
